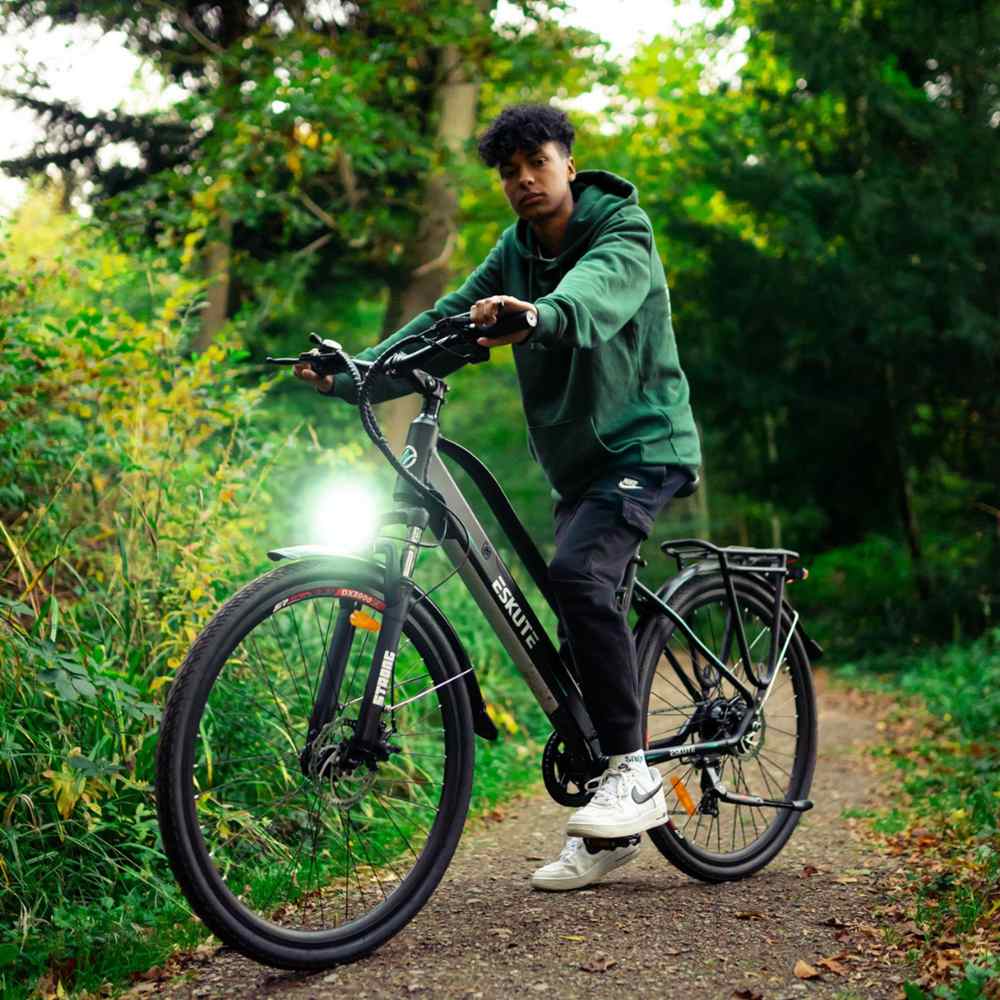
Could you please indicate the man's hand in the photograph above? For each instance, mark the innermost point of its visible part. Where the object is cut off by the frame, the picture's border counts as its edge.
(321, 383)
(485, 312)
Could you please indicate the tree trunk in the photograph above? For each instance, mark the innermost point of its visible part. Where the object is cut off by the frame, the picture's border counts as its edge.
(432, 247)
(216, 263)
(703, 520)
(901, 487)
(770, 430)
(236, 25)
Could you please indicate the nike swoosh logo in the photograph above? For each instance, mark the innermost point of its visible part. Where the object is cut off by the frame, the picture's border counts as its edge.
(629, 484)
(638, 798)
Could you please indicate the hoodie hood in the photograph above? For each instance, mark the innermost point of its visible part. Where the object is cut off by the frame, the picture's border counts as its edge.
(597, 195)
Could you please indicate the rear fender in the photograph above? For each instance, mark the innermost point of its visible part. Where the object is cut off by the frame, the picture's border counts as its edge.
(481, 722)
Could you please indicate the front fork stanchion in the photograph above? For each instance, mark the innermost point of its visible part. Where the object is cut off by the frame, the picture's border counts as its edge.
(398, 597)
(333, 676)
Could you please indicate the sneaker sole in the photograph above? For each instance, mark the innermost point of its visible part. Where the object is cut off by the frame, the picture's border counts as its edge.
(639, 825)
(558, 885)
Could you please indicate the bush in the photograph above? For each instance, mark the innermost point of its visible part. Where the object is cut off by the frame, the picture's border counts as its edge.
(130, 476)
(136, 482)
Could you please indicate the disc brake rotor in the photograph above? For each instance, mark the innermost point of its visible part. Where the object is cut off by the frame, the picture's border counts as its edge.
(346, 783)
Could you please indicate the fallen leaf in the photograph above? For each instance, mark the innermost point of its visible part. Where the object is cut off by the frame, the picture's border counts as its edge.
(599, 963)
(833, 922)
(749, 915)
(803, 970)
(573, 937)
(845, 880)
(747, 995)
(833, 965)
(809, 870)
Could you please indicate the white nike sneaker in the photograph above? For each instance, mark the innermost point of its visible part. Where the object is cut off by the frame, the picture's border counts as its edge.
(577, 867)
(626, 802)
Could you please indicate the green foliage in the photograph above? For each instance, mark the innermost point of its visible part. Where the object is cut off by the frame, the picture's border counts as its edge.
(976, 977)
(307, 141)
(137, 484)
(829, 259)
(131, 477)
(945, 749)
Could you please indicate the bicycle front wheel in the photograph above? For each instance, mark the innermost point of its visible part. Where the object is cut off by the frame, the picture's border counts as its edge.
(306, 865)
(687, 700)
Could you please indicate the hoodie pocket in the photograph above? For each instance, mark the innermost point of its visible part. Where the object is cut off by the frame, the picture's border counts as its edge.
(570, 452)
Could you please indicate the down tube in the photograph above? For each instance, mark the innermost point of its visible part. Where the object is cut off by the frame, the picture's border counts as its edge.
(528, 645)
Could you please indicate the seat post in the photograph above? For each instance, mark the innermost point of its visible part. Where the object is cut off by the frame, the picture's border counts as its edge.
(624, 592)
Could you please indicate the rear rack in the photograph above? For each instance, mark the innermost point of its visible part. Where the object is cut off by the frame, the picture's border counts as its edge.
(731, 558)
(770, 565)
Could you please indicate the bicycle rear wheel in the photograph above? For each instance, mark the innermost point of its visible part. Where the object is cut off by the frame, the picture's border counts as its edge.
(303, 867)
(706, 838)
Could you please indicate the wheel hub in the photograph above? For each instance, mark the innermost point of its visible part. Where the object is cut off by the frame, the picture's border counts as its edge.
(720, 718)
(333, 765)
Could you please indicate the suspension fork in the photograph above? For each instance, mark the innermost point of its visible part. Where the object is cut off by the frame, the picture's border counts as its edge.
(333, 676)
(399, 589)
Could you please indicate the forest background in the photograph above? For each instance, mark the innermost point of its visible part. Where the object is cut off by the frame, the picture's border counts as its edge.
(822, 182)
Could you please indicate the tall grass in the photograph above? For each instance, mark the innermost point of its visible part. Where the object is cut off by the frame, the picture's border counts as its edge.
(135, 484)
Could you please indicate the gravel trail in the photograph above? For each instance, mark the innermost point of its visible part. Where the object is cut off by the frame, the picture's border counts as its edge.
(647, 931)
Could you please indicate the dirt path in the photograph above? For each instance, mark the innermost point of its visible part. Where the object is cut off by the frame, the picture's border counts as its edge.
(486, 934)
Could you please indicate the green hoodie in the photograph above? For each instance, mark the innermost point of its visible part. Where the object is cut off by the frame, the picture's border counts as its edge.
(600, 377)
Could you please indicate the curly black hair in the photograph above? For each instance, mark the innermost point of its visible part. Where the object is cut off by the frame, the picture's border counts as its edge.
(525, 127)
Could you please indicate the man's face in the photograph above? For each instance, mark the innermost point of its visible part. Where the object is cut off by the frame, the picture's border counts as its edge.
(537, 182)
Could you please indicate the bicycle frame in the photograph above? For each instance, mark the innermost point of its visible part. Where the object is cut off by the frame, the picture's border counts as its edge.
(497, 594)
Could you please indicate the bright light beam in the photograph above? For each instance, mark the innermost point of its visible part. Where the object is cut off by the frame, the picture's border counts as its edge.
(344, 516)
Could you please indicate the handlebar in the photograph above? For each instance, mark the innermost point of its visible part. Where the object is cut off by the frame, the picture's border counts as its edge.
(456, 332)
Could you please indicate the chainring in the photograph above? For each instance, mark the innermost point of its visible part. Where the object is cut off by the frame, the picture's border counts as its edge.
(564, 774)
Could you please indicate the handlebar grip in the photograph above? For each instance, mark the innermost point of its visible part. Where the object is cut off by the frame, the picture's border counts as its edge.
(323, 362)
(509, 322)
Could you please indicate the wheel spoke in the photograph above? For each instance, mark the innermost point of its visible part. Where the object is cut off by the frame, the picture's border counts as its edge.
(775, 749)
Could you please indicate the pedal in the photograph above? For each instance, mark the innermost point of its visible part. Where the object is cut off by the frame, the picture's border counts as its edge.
(595, 844)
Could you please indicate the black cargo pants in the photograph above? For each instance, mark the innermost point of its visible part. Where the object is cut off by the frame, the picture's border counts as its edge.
(596, 534)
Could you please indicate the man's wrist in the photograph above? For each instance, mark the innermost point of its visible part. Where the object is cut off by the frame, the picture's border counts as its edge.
(332, 391)
(546, 330)
(532, 327)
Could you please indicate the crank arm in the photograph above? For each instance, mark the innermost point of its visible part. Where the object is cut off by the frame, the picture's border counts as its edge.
(724, 795)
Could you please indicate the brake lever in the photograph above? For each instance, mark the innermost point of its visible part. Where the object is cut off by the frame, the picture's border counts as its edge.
(323, 362)
(324, 347)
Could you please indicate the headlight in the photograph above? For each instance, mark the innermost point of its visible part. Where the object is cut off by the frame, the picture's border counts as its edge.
(344, 516)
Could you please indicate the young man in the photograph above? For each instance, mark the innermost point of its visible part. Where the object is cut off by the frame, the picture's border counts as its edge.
(609, 422)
